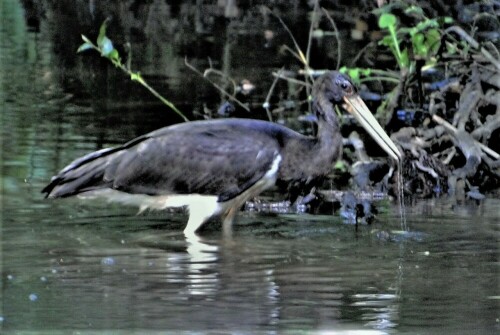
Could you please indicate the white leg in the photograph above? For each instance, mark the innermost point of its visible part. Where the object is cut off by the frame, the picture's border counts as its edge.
(201, 208)
(195, 222)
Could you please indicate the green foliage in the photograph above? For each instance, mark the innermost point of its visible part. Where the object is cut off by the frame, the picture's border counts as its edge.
(340, 165)
(105, 47)
(389, 22)
(359, 75)
(356, 73)
(407, 44)
(424, 38)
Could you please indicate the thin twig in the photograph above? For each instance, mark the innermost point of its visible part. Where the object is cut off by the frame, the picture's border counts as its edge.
(299, 52)
(115, 59)
(308, 50)
(222, 90)
(294, 54)
(268, 97)
(211, 70)
(360, 53)
(337, 37)
(473, 43)
(380, 78)
(309, 39)
(292, 80)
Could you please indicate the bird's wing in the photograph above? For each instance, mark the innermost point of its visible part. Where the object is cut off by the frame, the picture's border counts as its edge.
(223, 161)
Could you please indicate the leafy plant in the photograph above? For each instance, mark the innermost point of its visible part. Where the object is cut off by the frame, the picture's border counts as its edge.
(425, 37)
(105, 47)
(360, 75)
(389, 22)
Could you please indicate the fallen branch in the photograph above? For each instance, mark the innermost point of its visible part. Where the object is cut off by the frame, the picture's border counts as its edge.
(473, 43)
(452, 130)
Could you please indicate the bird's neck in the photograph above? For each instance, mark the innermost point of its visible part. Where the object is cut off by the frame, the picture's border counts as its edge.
(306, 159)
(328, 140)
(328, 124)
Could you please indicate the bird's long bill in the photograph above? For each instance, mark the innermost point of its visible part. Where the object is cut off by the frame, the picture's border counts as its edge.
(360, 111)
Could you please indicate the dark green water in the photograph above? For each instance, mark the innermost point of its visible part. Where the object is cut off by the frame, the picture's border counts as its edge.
(90, 267)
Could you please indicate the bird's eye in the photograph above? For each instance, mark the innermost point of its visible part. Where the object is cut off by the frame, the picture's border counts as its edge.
(344, 85)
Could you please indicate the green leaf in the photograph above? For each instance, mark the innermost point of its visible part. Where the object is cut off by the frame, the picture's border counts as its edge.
(366, 72)
(106, 47)
(354, 74)
(340, 165)
(102, 33)
(387, 20)
(451, 48)
(433, 40)
(115, 56)
(419, 46)
(85, 46)
(405, 30)
(415, 10)
(387, 41)
(86, 39)
(136, 76)
(448, 20)
(423, 25)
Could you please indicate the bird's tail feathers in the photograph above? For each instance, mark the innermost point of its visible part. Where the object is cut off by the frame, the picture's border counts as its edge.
(83, 174)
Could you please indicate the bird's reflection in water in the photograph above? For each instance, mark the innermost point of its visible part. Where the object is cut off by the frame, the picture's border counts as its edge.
(202, 257)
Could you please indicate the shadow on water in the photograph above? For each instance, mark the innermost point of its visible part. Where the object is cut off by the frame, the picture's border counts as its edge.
(72, 265)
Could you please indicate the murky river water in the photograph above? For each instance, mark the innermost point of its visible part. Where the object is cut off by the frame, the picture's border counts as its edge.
(69, 265)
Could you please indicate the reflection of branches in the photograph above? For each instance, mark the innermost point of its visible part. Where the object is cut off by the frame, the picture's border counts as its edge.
(304, 59)
(280, 75)
(267, 104)
(211, 70)
(220, 88)
(337, 37)
(300, 54)
(314, 19)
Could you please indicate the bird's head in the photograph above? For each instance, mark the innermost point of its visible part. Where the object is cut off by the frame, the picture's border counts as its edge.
(337, 88)
(334, 86)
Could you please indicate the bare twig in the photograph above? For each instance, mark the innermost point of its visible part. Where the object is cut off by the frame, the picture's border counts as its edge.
(452, 130)
(292, 80)
(211, 70)
(222, 90)
(268, 97)
(299, 52)
(290, 50)
(337, 37)
(473, 43)
(311, 29)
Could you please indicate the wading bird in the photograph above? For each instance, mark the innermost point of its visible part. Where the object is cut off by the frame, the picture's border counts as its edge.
(213, 167)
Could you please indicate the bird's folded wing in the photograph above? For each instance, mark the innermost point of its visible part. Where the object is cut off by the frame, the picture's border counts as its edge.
(222, 162)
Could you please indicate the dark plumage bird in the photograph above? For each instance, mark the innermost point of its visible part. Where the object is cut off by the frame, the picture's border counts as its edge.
(213, 167)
